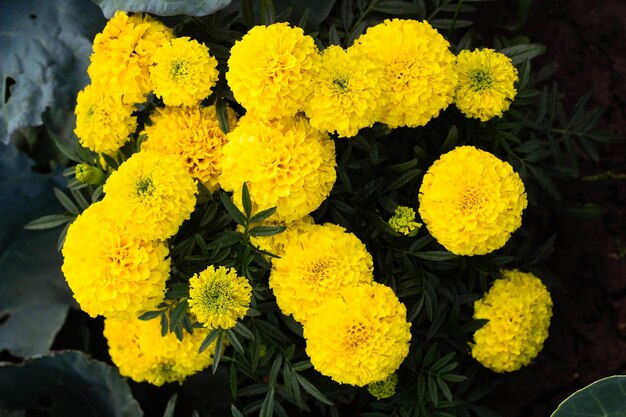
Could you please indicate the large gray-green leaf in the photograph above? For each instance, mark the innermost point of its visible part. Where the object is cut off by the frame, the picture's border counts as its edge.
(45, 48)
(163, 7)
(34, 298)
(74, 384)
(603, 398)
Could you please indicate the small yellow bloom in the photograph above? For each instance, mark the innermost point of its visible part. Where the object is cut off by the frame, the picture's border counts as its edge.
(385, 388)
(219, 297)
(419, 70)
(152, 193)
(471, 201)
(193, 134)
(359, 336)
(141, 353)
(519, 308)
(315, 265)
(270, 70)
(110, 270)
(183, 73)
(403, 221)
(103, 121)
(346, 93)
(486, 83)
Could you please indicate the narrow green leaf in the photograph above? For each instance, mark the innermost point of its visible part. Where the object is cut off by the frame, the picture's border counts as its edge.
(233, 380)
(66, 201)
(435, 255)
(235, 412)
(267, 408)
(243, 331)
(217, 355)
(450, 141)
(171, 405)
(232, 210)
(209, 339)
(311, 389)
(48, 222)
(268, 12)
(267, 230)
(149, 315)
(222, 114)
(246, 201)
(278, 362)
(232, 338)
(176, 316)
(262, 215)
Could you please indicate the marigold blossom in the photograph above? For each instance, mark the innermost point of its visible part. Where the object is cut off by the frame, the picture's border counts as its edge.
(103, 121)
(141, 353)
(193, 134)
(285, 163)
(270, 70)
(109, 269)
(403, 221)
(419, 70)
(122, 55)
(486, 83)
(518, 307)
(219, 297)
(153, 194)
(316, 265)
(346, 93)
(183, 73)
(360, 336)
(471, 201)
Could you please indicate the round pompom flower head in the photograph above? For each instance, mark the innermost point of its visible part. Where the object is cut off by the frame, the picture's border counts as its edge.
(419, 70)
(271, 68)
(385, 388)
(360, 336)
(109, 269)
(471, 201)
(153, 194)
(285, 162)
(183, 73)
(219, 297)
(486, 83)
(141, 353)
(193, 134)
(316, 265)
(123, 52)
(518, 307)
(103, 121)
(346, 93)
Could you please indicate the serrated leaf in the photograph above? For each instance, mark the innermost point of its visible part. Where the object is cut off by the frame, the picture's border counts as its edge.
(520, 53)
(312, 389)
(267, 408)
(162, 7)
(267, 230)
(213, 334)
(48, 222)
(263, 215)
(232, 338)
(232, 209)
(66, 201)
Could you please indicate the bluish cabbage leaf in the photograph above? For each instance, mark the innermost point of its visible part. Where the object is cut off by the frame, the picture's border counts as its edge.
(163, 7)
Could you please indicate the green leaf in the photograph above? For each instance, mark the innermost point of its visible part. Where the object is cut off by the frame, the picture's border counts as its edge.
(149, 315)
(163, 7)
(603, 398)
(209, 339)
(171, 406)
(267, 408)
(263, 215)
(435, 255)
(267, 230)
(246, 201)
(45, 71)
(76, 385)
(268, 12)
(66, 201)
(48, 222)
(222, 114)
(520, 53)
(34, 297)
(311, 389)
(450, 141)
(177, 315)
(232, 209)
(232, 338)
(235, 412)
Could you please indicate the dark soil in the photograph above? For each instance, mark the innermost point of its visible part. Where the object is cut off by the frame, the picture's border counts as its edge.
(588, 334)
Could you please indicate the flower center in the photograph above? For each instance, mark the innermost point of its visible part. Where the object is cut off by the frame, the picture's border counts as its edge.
(178, 69)
(470, 200)
(341, 84)
(144, 187)
(217, 297)
(357, 335)
(481, 79)
(318, 271)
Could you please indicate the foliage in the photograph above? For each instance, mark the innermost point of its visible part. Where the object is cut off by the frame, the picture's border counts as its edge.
(268, 372)
(603, 398)
(162, 7)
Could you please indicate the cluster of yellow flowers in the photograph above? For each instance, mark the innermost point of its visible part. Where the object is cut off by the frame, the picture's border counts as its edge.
(518, 307)
(356, 329)
(400, 72)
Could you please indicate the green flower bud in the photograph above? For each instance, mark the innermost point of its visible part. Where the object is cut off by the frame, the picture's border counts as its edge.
(90, 174)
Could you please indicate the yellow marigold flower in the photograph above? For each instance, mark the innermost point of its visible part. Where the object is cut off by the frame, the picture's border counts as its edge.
(519, 308)
(141, 353)
(123, 53)
(285, 162)
(110, 270)
(360, 336)
(219, 297)
(184, 72)
(152, 193)
(346, 93)
(316, 265)
(192, 134)
(420, 73)
(103, 122)
(486, 83)
(275, 244)
(385, 388)
(471, 201)
(403, 221)
(271, 68)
